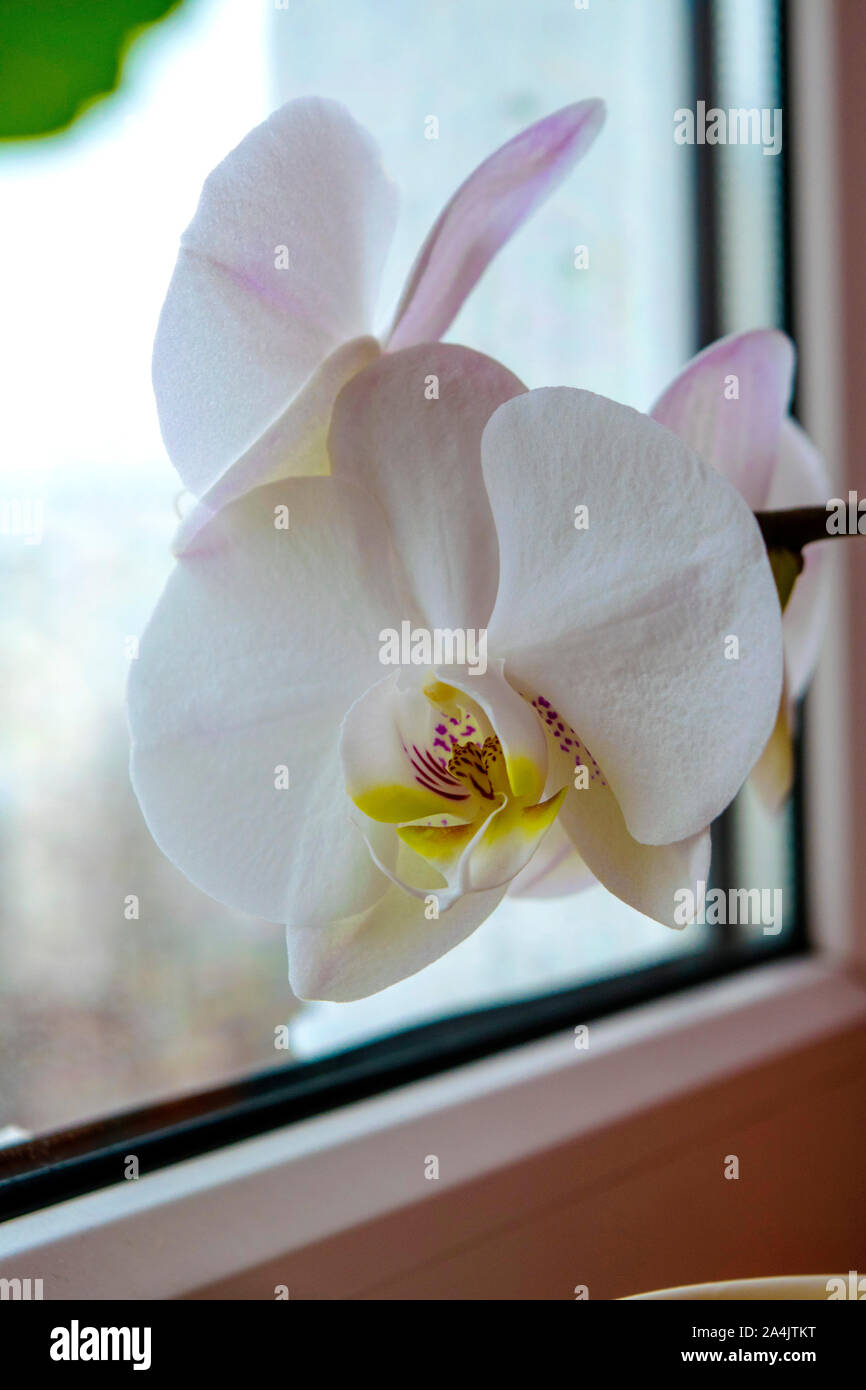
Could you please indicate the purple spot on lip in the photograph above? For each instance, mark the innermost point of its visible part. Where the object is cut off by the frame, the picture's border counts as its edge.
(440, 729)
(431, 777)
(428, 786)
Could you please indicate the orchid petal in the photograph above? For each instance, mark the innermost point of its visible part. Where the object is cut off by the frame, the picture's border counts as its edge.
(646, 877)
(484, 212)
(556, 870)
(728, 406)
(420, 456)
(295, 445)
(624, 626)
(279, 266)
(247, 668)
(373, 949)
(773, 773)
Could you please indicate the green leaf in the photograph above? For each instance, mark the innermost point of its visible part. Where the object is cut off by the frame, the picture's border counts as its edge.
(58, 56)
(786, 566)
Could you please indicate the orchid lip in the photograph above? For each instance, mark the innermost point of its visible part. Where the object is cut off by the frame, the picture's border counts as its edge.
(429, 774)
(456, 802)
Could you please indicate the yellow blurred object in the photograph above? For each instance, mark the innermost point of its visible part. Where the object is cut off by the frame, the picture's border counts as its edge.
(809, 1287)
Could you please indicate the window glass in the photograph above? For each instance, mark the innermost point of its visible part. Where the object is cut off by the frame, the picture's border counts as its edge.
(119, 981)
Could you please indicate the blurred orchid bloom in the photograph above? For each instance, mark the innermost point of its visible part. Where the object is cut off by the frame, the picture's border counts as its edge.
(269, 310)
(381, 813)
(730, 405)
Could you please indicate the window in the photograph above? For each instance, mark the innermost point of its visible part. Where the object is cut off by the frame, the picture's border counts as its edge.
(121, 986)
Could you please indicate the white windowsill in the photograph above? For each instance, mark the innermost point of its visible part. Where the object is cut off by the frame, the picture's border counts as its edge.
(210, 1218)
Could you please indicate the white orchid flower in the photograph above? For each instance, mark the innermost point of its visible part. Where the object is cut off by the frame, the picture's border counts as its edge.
(730, 405)
(270, 307)
(382, 812)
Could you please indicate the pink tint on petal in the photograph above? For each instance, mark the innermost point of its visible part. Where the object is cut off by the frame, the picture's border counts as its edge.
(485, 211)
(728, 405)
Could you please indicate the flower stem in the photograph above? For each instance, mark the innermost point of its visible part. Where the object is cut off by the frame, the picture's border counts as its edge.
(785, 533)
(796, 527)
